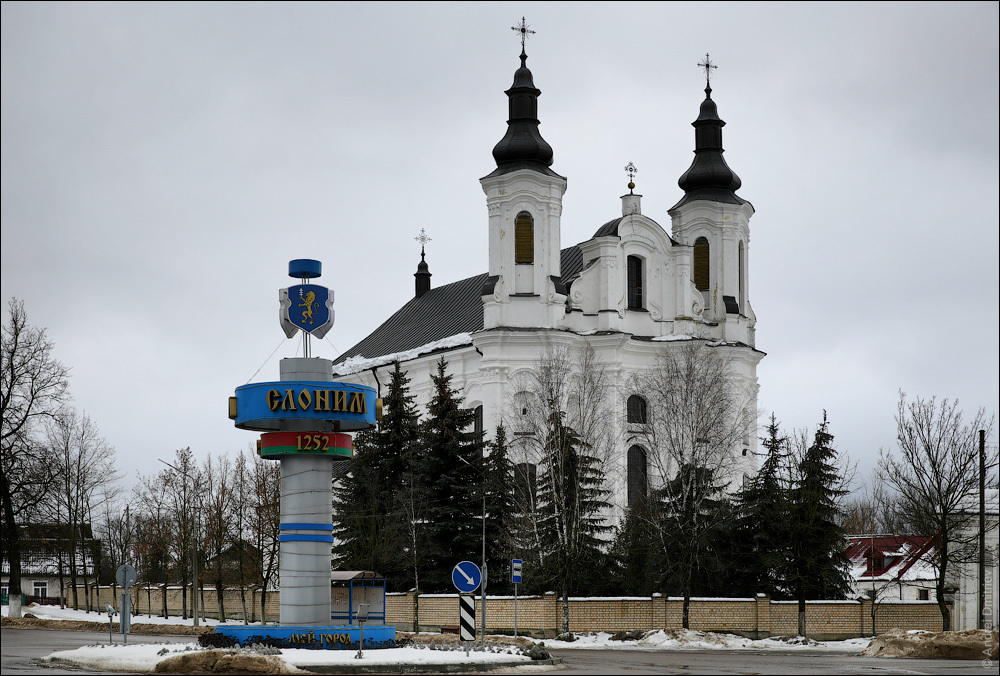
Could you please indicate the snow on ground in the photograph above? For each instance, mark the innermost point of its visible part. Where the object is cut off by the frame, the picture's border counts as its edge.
(682, 639)
(143, 658)
(45, 612)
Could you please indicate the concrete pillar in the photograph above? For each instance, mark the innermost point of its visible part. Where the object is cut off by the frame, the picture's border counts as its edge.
(306, 517)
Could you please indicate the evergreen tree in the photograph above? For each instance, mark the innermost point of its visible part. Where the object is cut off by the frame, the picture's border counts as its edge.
(760, 539)
(571, 499)
(500, 506)
(691, 514)
(817, 567)
(369, 509)
(635, 557)
(448, 487)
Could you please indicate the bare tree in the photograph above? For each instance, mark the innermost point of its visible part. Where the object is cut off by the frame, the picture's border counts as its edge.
(934, 472)
(698, 419)
(179, 481)
(220, 521)
(33, 387)
(154, 538)
(559, 415)
(85, 465)
(264, 524)
(873, 510)
(117, 532)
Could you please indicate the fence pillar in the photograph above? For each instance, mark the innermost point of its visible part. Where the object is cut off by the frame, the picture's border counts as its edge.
(763, 616)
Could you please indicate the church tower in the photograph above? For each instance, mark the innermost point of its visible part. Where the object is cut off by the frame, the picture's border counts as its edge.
(524, 199)
(715, 222)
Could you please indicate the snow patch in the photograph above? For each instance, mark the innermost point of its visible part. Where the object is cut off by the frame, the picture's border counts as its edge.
(358, 364)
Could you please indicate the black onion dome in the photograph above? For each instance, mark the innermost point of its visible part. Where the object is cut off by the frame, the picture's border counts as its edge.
(523, 147)
(709, 177)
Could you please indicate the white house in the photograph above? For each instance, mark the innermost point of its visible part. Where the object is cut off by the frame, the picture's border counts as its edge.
(967, 606)
(893, 567)
(632, 290)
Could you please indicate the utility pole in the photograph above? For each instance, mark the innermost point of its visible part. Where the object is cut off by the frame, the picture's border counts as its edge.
(981, 620)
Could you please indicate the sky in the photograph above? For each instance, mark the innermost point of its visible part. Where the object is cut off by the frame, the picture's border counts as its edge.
(162, 163)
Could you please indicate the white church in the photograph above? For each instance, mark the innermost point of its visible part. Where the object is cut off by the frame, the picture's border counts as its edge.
(631, 291)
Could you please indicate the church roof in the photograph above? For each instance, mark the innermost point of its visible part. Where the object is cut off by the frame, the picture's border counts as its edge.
(523, 147)
(439, 313)
(709, 177)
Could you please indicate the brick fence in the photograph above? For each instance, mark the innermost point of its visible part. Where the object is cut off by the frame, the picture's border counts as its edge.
(751, 617)
(541, 616)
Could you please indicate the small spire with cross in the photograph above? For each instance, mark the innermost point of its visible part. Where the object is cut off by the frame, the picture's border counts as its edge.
(709, 67)
(423, 239)
(631, 171)
(523, 29)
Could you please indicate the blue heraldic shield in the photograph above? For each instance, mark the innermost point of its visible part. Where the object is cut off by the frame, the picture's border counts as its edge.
(308, 307)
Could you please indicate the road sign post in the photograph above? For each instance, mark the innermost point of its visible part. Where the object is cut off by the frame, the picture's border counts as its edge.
(467, 619)
(125, 577)
(516, 566)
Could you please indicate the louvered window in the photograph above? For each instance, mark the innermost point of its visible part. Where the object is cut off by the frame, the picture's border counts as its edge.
(635, 297)
(638, 473)
(742, 272)
(701, 257)
(524, 238)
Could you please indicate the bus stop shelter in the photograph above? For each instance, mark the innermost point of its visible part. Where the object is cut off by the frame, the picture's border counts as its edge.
(349, 589)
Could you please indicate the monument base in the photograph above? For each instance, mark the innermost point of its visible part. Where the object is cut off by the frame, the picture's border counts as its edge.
(311, 638)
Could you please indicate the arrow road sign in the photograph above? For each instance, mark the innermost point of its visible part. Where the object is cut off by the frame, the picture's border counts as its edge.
(125, 576)
(515, 570)
(467, 617)
(466, 576)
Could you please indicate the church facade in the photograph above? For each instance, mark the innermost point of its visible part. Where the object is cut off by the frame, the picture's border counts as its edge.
(627, 294)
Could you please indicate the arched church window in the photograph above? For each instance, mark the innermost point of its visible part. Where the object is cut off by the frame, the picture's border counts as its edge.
(635, 291)
(702, 279)
(638, 474)
(477, 422)
(524, 238)
(635, 409)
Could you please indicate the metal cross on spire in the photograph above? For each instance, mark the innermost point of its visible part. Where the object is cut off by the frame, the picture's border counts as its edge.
(523, 29)
(631, 171)
(423, 239)
(709, 67)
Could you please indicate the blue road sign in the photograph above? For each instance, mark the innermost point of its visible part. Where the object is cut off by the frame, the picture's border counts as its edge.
(515, 570)
(466, 576)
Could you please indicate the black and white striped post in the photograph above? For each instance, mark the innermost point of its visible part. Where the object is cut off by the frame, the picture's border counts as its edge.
(467, 619)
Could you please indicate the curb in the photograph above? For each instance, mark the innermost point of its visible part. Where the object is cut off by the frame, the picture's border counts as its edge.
(425, 667)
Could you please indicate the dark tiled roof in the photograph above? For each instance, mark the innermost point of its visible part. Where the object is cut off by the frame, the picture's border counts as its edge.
(609, 228)
(445, 311)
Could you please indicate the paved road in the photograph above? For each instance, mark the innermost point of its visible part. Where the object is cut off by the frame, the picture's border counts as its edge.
(754, 662)
(20, 647)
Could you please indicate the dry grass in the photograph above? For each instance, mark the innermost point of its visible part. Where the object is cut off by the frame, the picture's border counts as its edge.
(224, 662)
(74, 625)
(971, 644)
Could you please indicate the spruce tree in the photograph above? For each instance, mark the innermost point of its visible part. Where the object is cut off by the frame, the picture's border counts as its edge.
(635, 557)
(500, 506)
(691, 514)
(369, 509)
(449, 486)
(817, 567)
(571, 499)
(760, 539)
